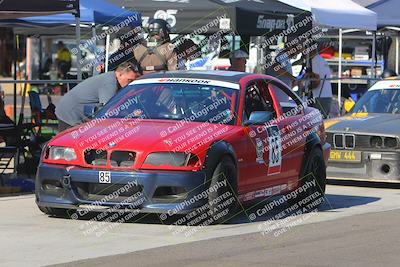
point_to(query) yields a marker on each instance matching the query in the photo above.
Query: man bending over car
(96, 90)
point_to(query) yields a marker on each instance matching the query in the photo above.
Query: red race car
(171, 143)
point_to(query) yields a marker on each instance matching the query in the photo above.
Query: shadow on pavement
(331, 203)
(390, 185)
(260, 210)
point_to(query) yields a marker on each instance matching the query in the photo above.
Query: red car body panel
(144, 138)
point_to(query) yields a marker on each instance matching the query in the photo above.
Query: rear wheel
(312, 181)
(222, 199)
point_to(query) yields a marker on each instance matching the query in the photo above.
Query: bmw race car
(170, 143)
(366, 142)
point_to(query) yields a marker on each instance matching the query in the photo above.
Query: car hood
(144, 135)
(374, 123)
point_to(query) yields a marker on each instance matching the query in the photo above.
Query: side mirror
(259, 117)
(90, 110)
(348, 105)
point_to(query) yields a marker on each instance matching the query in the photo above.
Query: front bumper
(372, 167)
(59, 186)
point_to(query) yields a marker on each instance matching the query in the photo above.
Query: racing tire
(223, 202)
(314, 169)
(55, 212)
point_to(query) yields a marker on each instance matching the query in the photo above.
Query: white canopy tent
(339, 14)
(388, 18)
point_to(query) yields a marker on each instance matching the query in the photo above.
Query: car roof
(219, 75)
(385, 84)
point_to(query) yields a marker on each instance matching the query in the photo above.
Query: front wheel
(222, 197)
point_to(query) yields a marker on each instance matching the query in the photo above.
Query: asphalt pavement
(359, 240)
(355, 226)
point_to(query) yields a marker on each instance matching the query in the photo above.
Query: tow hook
(66, 181)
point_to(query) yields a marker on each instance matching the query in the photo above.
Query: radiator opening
(96, 157)
(122, 159)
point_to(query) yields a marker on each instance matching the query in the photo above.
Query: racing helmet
(159, 30)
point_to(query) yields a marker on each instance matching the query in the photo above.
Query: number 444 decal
(275, 150)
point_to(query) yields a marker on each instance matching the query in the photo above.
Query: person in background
(321, 87)
(63, 60)
(123, 53)
(388, 73)
(158, 53)
(187, 51)
(238, 59)
(96, 90)
(125, 50)
(282, 70)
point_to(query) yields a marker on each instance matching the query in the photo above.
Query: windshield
(379, 101)
(190, 102)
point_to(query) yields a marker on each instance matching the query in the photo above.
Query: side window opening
(288, 101)
(257, 99)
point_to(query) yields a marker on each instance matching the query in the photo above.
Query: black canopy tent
(244, 17)
(12, 9)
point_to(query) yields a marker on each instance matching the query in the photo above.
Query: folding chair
(6, 155)
(38, 112)
(10, 135)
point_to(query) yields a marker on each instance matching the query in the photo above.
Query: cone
(9, 111)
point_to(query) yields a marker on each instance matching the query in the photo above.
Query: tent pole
(373, 55)
(40, 56)
(397, 53)
(94, 48)
(15, 78)
(29, 57)
(340, 67)
(260, 55)
(107, 53)
(78, 42)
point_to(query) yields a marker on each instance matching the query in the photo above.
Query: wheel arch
(215, 153)
(312, 141)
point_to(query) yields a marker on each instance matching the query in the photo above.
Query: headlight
(64, 153)
(376, 142)
(390, 142)
(175, 159)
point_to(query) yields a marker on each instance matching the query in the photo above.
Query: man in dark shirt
(95, 90)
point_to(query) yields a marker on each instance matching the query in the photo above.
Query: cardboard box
(356, 72)
(361, 53)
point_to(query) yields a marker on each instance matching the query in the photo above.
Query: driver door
(262, 161)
